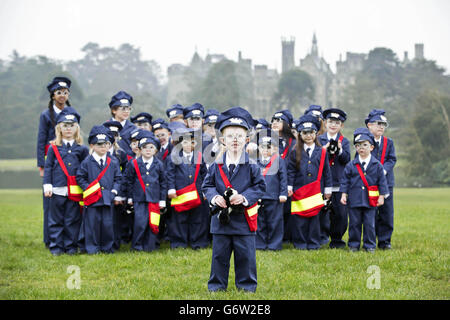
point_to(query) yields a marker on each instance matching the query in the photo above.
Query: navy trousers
(384, 221)
(46, 209)
(143, 238)
(98, 229)
(190, 228)
(244, 262)
(338, 221)
(361, 219)
(305, 232)
(270, 225)
(64, 223)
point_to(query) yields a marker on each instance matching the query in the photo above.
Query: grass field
(416, 268)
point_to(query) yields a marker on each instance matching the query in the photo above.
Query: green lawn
(416, 268)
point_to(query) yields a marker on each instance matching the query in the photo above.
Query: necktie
(231, 168)
(307, 151)
(363, 164)
(68, 145)
(101, 163)
(378, 144)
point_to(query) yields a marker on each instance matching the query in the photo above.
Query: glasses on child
(62, 93)
(126, 109)
(382, 124)
(276, 120)
(236, 136)
(363, 145)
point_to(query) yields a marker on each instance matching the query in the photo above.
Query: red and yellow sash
(251, 212)
(286, 150)
(153, 208)
(188, 197)
(93, 192)
(383, 153)
(372, 190)
(272, 159)
(75, 193)
(307, 200)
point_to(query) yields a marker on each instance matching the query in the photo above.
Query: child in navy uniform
(334, 224)
(99, 176)
(384, 151)
(270, 214)
(357, 182)
(63, 159)
(175, 113)
(59, 89)
(233, 229)
(308, 168)
(143, 120)
(190, 212)
(147, 189)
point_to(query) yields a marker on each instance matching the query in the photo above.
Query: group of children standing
(216, 177)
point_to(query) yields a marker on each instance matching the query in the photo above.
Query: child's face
(277, 124)
(234, 138)
(144, 126)
(363, 148)
(377, 128)
(333, 126)
(308, 136)
(122, 113)
(61, 96)
(148, 150)
(68, 130)
(267, 150)
(101, 148)
(178, 118)
(188, 145)
(209, 129)
(135, 146)
(162, 135)
(194, 122)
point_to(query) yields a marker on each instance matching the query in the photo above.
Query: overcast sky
(169, 31)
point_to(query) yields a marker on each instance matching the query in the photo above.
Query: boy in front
(237, 233)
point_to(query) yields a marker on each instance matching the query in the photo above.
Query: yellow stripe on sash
(252, 211)
(91, 190)
(76, 189)
(182, 198)
(154, 218)
(374, 193)
(307, 203)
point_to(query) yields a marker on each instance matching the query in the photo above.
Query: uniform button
(146, 184)
(190, 177)
(362, 188)
(147, 173)
(70, 151)
(69, 164)
(309, 174)
(332, 163)
(309, 161)
(103, 188)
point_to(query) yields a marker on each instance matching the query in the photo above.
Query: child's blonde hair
(58, 133)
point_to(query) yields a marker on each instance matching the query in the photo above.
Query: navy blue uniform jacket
(181, 175)
(340, 160)
(89, 171)
(352, 184)
(72, 158)
(246, 180)
(46, 133)
(276, 179)
(154, 180)
(389, 160)
(308, 171)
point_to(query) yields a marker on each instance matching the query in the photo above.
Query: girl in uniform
(309, 177)
(63, 159)
(59, 98)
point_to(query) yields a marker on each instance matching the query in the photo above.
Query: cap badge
(212, 118)
(124, 101)
(70, 117)
(62, 84)
(278, 115)
(316, 112)
(196, 112)
(383, 118)
(157, 125)
(307, 124)
(236, 121)
(334, 115)
(357, 137)
(172, 113)
(101, 137)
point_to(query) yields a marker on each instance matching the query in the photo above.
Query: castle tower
(314, 49)
(418, 47)
(287, 54)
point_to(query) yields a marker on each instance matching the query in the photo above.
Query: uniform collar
(56, 109)
(97, 157)
(68, 141)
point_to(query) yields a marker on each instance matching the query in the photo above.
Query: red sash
(251, 212)
(307, 200)
(331, 160)
(372, 190)
(286, 150)
(94, 191)
(188, 197)
(75, 193)
(129, 157)
(165, 153)
(153, 208)
(266, 169)
(383, 153)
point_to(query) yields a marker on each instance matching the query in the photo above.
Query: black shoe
(370, 250)
(353, 249)
(386, 247)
